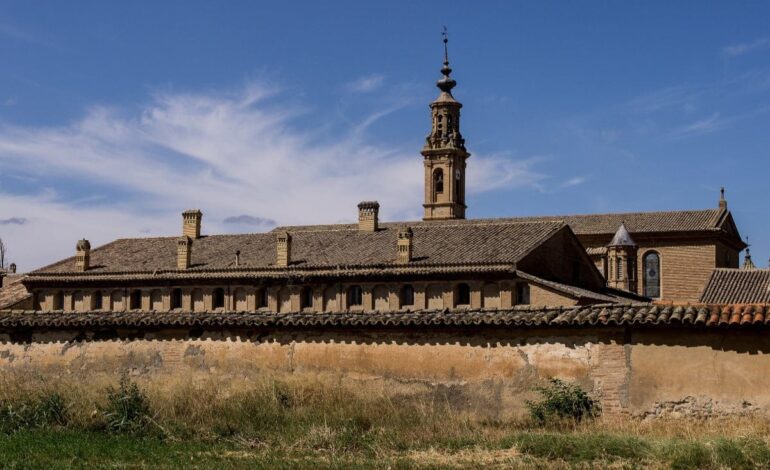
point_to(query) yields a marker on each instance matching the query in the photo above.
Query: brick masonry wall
(543, 297)
(685, 269)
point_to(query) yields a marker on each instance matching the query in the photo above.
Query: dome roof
(622, 237)
(83, 245)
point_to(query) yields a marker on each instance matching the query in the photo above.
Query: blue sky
(116, 116)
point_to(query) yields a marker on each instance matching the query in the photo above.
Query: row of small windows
(353, 295)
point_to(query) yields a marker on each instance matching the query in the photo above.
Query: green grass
(274, 424)
(82, 449)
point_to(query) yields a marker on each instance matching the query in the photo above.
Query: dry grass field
(284, 424)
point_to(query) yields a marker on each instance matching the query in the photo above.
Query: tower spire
(722, 200)
(446, 83)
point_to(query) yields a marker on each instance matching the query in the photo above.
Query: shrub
(127, 410)
(563, 401)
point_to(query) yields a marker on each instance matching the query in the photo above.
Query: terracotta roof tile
(583, 224)
(738, 286)
(13, 293)
(590, 316)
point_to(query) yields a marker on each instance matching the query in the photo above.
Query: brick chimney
(283, 254)
(404, 247)
(722, 200)
(368, 213)
(183, 252)
(191, 223)
(83, 255)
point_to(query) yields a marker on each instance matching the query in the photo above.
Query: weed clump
(127, 410)
(44, 411)
(561, 402)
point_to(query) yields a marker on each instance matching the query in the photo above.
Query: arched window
(197, 300)
(381, 298)
(176, 299)
(306, 298)
(355, 296)
(156, 300)
(97, 300)
(652, 275)
(58, 301)
(240, 300)
(490, 296)
(262, 298)
(331, 303)
(522, 293)
(219, 298)
(407, 296)
(438, 182)
(77, 301)
(284, 300)
(117, 302)
(135, 300)
(463, 294)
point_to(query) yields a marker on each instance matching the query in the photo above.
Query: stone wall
(486, 371)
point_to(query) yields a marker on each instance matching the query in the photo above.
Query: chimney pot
(183, 252)
(404, 246)
(368, 215)
(238, 258)
(191, 223)
(283, 245)
(83, 255)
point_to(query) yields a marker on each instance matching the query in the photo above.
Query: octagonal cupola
(621, 260)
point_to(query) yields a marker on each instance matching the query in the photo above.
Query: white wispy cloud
(366, 83)
(735, 50)
(653, 101)
(712, 123)
(20, 34)
(574, 181)
(229, 153)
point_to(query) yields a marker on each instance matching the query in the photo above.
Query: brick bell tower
(444, 153)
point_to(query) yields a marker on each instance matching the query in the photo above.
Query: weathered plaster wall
(486, 371)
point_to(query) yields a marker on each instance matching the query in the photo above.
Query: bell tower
(444, 153)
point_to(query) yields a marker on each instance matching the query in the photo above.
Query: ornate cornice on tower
(444, 152)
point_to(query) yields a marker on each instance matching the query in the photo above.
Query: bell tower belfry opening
(444, 153)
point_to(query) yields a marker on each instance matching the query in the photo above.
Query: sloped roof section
(738, 286)
(594, 224)
(13, 293)
(496, 242)
(579, 292)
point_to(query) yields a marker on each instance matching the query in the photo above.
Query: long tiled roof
(437, 244)
(738, 286)
(589, 224)
(13, 293)
(638, 315)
